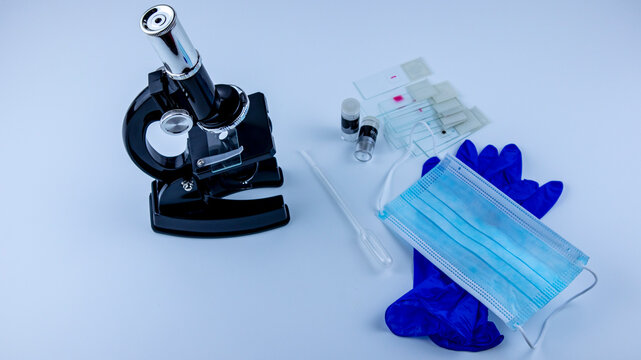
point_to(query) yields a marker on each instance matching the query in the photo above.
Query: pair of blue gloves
(438, 307)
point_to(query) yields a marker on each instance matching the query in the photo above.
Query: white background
(82, 276)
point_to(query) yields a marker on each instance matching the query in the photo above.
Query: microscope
(229, 148)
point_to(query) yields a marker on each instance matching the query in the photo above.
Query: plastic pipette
(365, 236)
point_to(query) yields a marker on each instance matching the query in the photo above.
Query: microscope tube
(367, 139)
(170, 41)
(350, 114)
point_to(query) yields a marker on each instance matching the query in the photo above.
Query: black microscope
(230, 147)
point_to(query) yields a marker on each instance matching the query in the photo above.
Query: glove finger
(507, 168)
(424, 310)
(429, 164)
(407, 317)
(543, 199)
(487, 156)
(521, 190)
(468, 155)
(485, 335)
(433, 307)
(514, 163)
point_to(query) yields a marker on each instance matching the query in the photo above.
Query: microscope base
(188, 213)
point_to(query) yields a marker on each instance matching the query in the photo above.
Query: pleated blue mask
(485, 242)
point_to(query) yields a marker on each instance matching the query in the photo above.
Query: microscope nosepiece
(170, 41)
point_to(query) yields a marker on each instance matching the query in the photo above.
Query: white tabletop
(82, 276)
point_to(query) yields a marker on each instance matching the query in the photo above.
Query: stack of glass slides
(402, 95)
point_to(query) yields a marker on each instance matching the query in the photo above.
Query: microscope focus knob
(176, 122)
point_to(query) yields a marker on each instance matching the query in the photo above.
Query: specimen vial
(367, 139)
(350, 114)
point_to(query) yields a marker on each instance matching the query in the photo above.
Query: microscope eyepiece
(158, 20)
(170, 41)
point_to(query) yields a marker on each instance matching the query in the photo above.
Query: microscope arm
(143, 111)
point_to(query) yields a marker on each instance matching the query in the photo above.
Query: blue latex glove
(437, 307)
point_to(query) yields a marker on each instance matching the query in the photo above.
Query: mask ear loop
(384, 194)
(531, 344)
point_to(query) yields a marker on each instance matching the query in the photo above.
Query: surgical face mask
(488, 244)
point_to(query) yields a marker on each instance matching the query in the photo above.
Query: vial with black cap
(350, 115)
(367, 139)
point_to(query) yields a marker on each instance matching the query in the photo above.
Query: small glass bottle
(350, 116)
(367, 139)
